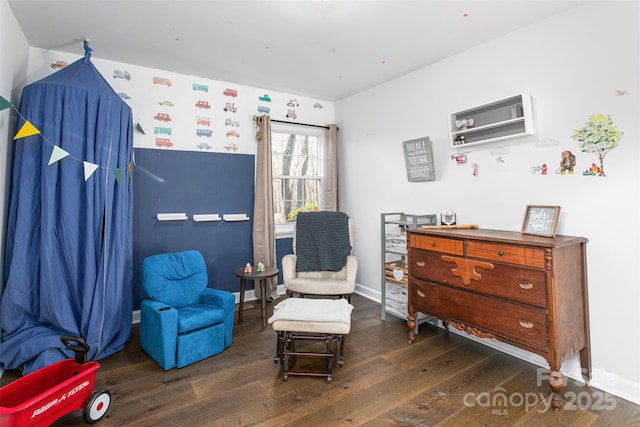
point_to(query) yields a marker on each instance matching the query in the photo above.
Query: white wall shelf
(206, 217)
(496, 121)
(177, 216)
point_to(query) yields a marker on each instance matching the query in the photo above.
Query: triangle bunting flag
(27, 129)
(139, 128)
(57, 154)
(117, 172)
(89, 169)
(4, 104)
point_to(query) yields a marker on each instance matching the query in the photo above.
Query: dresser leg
(585, 364)
(556, 382)
(411, 324)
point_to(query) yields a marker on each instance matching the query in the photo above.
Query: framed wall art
(541, 220)
(419, 160)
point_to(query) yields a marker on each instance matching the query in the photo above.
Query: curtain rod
(295, 123)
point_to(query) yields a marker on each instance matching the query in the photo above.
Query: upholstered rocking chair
(322, 263)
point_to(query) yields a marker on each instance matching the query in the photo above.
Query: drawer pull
(433, 244)
(420, 293)
(421, 263)
(500, 253)
(526, 324)
(526, 285)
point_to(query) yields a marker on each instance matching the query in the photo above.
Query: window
(297, 156)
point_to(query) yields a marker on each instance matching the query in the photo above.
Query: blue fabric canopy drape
(68, 259)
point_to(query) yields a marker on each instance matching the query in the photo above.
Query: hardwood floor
(441, 379)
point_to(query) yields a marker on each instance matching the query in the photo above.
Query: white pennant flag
(89, 169)
(57, 154)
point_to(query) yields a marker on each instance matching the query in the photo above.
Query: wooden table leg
(263, 301)
(241, 306)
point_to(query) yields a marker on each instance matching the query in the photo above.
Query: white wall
(572, 65)
(14, 52)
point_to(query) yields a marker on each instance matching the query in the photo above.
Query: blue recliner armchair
(182, 321)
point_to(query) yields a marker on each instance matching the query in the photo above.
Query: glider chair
(321, 263)
(182, 321)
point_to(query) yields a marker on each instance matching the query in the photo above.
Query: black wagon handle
(78, 345)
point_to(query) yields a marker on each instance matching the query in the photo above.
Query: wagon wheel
(96, 406)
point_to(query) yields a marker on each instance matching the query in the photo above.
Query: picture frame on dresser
(540, 220)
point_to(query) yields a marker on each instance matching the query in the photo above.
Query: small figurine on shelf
(247, 268)
(260, 267)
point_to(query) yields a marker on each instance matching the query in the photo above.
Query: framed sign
(541, 220)
(419, 160)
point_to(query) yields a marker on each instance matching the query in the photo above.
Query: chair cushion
(198, 316)
(327, 316)
(318, 286)
(176, 279)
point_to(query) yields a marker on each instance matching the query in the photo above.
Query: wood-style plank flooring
(442, 379)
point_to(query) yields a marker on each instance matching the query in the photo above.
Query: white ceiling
(324, 49)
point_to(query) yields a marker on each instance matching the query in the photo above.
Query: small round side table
(261, 277)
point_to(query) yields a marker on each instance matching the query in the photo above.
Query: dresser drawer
(524, 285)
(519, 323)
(438, 244)
(521, 255)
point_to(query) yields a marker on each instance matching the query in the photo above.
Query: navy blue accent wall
(194, 183)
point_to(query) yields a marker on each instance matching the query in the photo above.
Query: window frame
(286, 229)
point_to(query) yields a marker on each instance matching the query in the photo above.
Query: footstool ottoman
(311, 319)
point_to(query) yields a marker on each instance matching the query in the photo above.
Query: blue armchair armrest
(227, 301)
(159, 332)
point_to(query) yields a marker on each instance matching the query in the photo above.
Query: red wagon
(43, 396)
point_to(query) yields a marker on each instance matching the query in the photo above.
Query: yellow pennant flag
(89, 169)
(27, 129)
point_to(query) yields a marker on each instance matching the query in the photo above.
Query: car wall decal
(162, 117)
(164, 142)
(204, 121)
(204, 132)
(161, 81)
(58, 64)
(230, 92)
(162, 130)
(119, 74)
(202, 88)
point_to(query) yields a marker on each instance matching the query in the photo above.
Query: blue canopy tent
(68, 259)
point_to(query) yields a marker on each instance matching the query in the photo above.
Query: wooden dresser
(528, 291)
